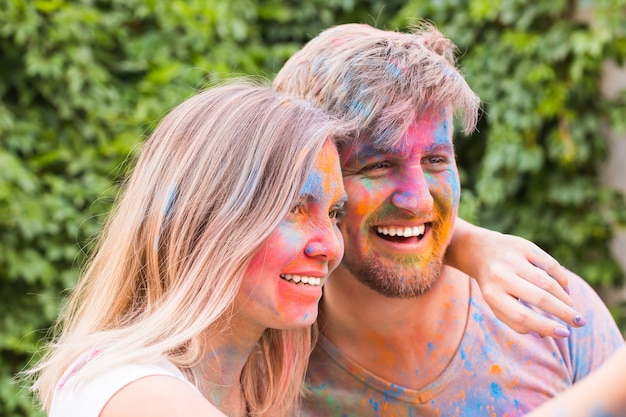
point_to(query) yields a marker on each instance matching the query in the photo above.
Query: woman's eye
(337, 213)
(297, 209)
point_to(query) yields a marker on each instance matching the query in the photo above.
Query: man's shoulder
(579, 288)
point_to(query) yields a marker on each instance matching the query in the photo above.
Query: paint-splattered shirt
(495, 372)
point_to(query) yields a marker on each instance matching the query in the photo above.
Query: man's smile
(402, 234)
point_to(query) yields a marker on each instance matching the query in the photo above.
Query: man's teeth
(401, 231)
(302, 279)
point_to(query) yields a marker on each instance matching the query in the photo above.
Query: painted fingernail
(567, 289)
(579, 320)
(561, 332)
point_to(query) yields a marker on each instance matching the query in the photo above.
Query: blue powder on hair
(171, 195)
(347, 83)
(317, 64)
(167, 210)
(392, 68)
(358, 107)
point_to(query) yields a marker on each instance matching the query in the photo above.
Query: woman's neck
(219, 372)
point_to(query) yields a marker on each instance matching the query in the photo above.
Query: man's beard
(403, 276)
(407, 280)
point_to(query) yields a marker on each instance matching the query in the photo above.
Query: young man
(403, 334)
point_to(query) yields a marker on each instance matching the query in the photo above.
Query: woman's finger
(524, 319)
(517, 294)
(541, 279)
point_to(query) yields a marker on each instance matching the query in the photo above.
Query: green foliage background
(83, 81)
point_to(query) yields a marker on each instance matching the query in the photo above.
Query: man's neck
(406, 341)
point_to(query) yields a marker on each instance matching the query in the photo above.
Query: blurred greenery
(83, 82)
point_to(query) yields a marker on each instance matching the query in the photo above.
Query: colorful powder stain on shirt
(495, 372)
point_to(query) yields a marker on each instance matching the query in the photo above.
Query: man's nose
(412, 193)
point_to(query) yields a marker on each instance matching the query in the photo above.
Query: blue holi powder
(393, 392)
(442, 133)
(347, 83)
(359, 107)
(468, 365)
(517, 404)
(447, 71)
(313, 185)
(291, 237)
(310, 249)
(171, 195)
(399, 390)
(167, 210)
(477, 317)
(374, 404)
(393, 70)
(496, 391)
(306, 316)
(317, 64)
(431, 348)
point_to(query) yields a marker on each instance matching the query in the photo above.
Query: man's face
(402, 204)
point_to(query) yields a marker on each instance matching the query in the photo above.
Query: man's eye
(437, 159)
(376, 166)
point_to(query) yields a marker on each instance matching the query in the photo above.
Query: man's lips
(400, 233)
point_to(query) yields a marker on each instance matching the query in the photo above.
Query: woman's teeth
(302, 279)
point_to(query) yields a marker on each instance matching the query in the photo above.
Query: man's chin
(400, 278)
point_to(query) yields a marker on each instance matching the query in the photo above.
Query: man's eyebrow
(398, 151)
(445, 147)
(369, 151)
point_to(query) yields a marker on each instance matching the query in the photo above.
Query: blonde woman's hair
(380, 80)
(215, 178)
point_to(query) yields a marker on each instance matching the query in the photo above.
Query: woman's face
(283, 283)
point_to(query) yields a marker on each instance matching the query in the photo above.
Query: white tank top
(88, 399)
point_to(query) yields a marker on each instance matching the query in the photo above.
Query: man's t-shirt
(495, 372)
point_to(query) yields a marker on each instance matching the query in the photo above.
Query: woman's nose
(328, 245)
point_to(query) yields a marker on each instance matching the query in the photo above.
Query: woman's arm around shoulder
(510, 269)
(601, 393)
(159, 396)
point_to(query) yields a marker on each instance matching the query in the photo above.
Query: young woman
(200, 297)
